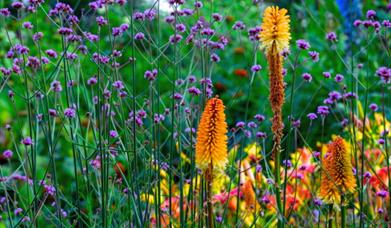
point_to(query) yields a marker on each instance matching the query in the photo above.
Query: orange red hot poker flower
(211, 147)
(337, 173)
(274, 37)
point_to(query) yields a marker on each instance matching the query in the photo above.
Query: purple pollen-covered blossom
(188, 130)
(96, 163)
(253, 33)
(194, 91)
(82, 49)
(176, 38)
(217, 17)
(285, 53)
(371, 14)
(186, 12)
(170, 19)
(384, 73)
(350, 95)
(101, 21)
(138, 16)
(178, 96)
(198, 4)
(214, 58)
(252, 124)
(373, 107)
(331, 36)
(52, 112)
(314, 56)
(70, 112)
(382, 193)
(260, 134)
(240, 124)
(287, 163)
(37, 36)
(326, 74)
(65, 31)
(318, 202)
(344, 122)
(339, 77)
(192, 79)
(139, 36)
(17, 5)
(27, 141)
(150, 75)
(7, 154)
(357, 23)
(367, 23)
(323, 110)
(335, 95)
(18, 211)
(207, 31)
(5, 12)
(124, 27)
(118, 85)
(116, 31)
(284, 71)
(179, 82)
(113, 134)
(296, 123)
(180, 28)
(178, 2)
(27, 25)
(307, 77)
(149, 14)
(91, 37)
(302, 44)
(56, 86)
(92, 81)
(158, 118)
(116, 53)
(50, 189)
(312, 116)
(33, 62)
(239, 25)
(256, 68)
(5, 71)
(259, 117)
(386, 24)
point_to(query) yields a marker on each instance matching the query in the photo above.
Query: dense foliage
(157, 113)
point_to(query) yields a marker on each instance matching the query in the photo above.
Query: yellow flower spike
(337, 172)
(275, 29)
(211, 147)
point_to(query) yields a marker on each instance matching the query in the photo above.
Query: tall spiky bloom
(211, 147)
(337, 172)
(274, 38)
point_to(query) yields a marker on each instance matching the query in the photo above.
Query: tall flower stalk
(211, 147)
(274, 37)
(338, 178)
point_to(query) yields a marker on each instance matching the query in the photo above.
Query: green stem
(343, 212)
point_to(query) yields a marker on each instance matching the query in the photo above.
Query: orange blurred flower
(241, 73)
(337, 173)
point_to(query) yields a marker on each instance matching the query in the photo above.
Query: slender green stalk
(343, 211)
